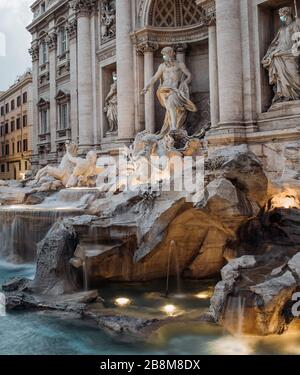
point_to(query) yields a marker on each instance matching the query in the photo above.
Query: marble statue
(65, 169)
(108, 20)
(281, 63)
(173, 92)
(111, 106)
(85, 171)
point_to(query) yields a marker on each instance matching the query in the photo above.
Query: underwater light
(169, 309)
(203, 295)
(122, 301)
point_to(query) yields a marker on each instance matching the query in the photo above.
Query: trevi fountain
(177, 245)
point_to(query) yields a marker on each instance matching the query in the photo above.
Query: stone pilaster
(124, 54)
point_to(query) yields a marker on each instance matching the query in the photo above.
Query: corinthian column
(229, 63)
(83, 9)
(125, 70)
(148, 50)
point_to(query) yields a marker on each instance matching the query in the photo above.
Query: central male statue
(173, 92)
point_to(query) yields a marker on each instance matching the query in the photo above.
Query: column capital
(84, 7)
(34, 52)
(72, 28)
(145, 47)
(51, 41)
(209, 7)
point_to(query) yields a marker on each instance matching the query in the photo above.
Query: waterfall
(234, 315)
(23, 226)
(173, 255)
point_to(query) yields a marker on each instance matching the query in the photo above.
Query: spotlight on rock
(122, 302)
(285, 201)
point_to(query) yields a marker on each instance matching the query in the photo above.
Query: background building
(78, 44)
(16, 129)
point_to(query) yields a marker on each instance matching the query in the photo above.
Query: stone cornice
(172, 36)
(46, 15)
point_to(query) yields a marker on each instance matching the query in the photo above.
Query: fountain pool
(52, 333)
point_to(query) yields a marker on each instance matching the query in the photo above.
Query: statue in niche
(173, 92)
(111, 106)
(65, 169)
(280, 61)
(108, 20)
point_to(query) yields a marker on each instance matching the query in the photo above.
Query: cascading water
(173, 255)
(234, 315)
(23, 226)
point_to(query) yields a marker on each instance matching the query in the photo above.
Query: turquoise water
(50, 333)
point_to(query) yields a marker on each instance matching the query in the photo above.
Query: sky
(15, 15)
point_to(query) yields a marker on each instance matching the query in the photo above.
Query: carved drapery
(108, 20)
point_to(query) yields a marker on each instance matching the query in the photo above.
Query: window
(7, 149)
(43, 7)
(43, 53)
(2, 111)
(18, 123)
(26, 165)
(2, 149)
(24, 97)
(6, 128)
(12, 105)
(25, 145)
(13, 147)
(44, 121)
(18, 101)
(6, 108)
(2, 168)
(63, 116)
(19, 146)
(2, 131)
(24, 121)
(12, 126)
(63, 41)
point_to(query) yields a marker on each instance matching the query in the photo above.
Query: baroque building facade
(16, 129)
(78, 47)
